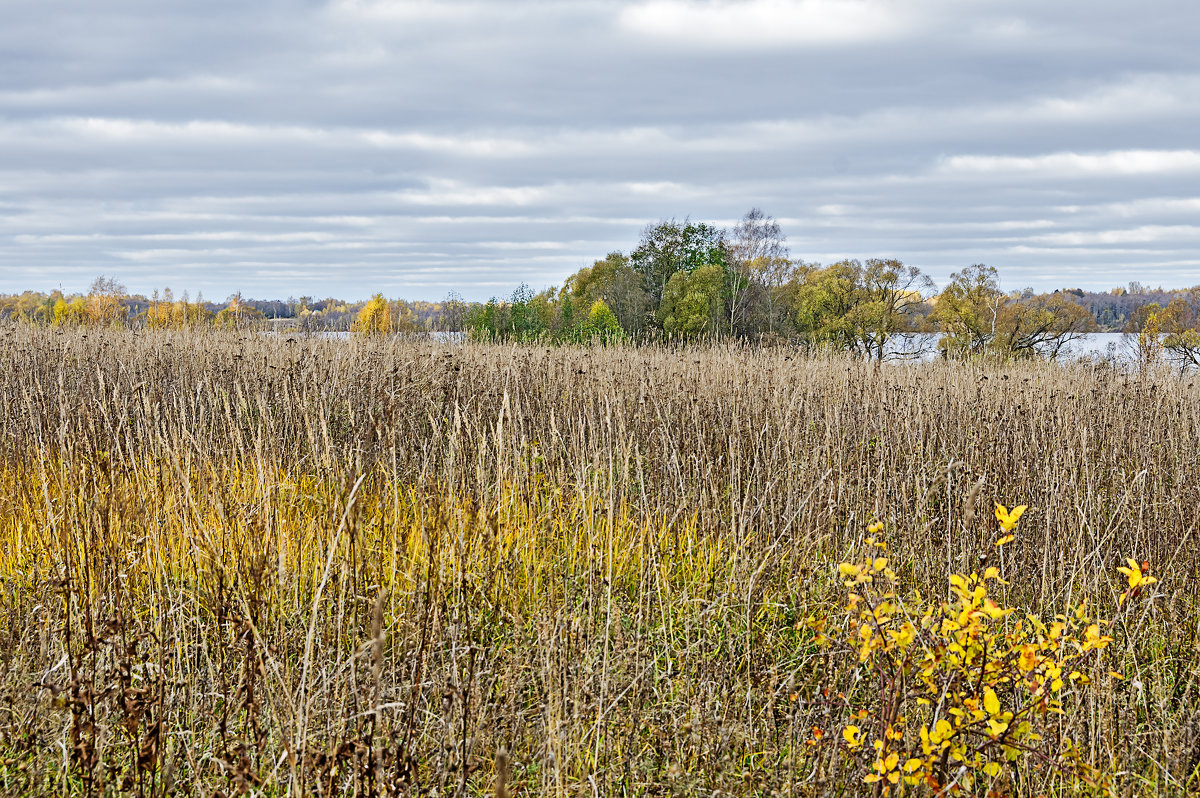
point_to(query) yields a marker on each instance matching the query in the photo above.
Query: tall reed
(252, 563)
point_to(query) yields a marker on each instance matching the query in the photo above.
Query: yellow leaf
(1005, 540)
(1094, 638)
(1008, 520)
(852, 736)
(1133, 574)
(993, 611)
(1081, 611)
(990, 702)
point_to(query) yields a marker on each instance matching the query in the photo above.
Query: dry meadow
(239, 564)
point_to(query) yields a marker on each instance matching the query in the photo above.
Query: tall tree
(859, 307)
(375, 317)
(1174, 329)
(105, 303)
(892, 298)
(758, 260)
(967, 309)
(1040, 325)
(670, 247)
(822, 299)
(976, 317)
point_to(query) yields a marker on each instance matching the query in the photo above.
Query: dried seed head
(972, 500)
(500, 789)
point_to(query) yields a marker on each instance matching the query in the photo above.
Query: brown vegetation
(239, 563)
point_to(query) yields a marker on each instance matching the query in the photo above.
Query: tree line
(688, 280)
(108, 303)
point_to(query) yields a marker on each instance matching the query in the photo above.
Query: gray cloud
(352, 146)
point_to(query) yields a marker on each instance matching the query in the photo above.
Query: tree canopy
(669, 247)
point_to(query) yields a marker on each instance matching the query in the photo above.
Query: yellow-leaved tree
(105, 302)
(375, 318)
(168, 313)
(69, 314)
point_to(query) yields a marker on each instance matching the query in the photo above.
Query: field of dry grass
(255, 565)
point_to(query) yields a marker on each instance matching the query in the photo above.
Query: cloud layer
(346, 147)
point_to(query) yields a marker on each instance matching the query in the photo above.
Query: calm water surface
(922, 346)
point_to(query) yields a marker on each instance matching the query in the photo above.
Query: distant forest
(686, 280)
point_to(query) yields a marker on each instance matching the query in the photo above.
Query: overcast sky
(341, 148)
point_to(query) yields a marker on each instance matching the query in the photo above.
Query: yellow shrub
(959, 689)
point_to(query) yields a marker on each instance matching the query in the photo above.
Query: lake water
(1110, 346)
(1114, 346)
